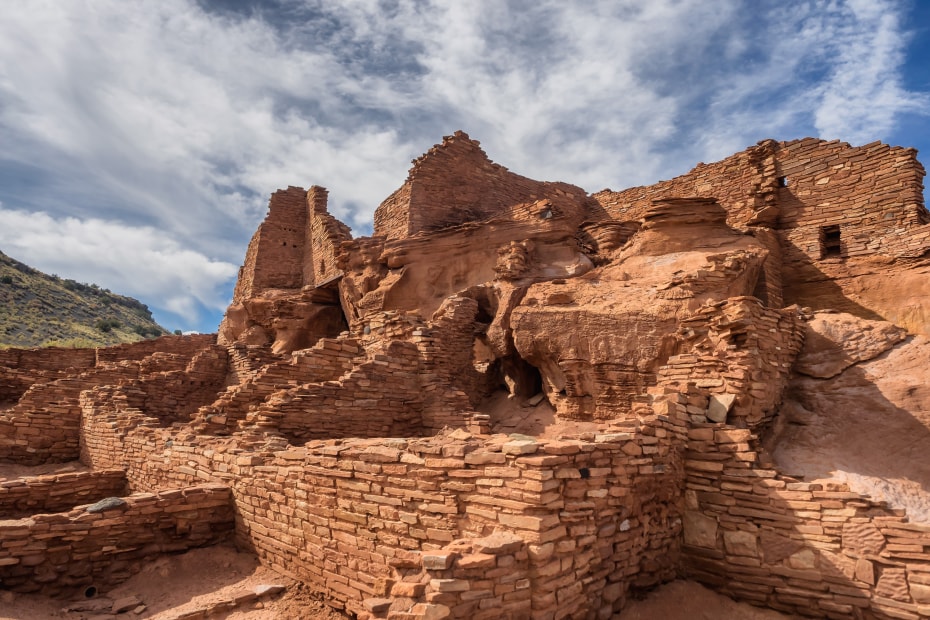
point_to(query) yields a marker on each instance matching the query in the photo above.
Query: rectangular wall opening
(830, 242)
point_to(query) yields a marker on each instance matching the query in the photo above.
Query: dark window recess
(782, 181)
(830, 242)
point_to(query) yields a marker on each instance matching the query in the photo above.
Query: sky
(140, 141)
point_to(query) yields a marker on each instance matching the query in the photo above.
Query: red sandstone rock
(340, 423)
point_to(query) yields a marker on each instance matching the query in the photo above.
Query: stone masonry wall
(741, 352)
(864, 190)
(378, 398)
(324, 237)
(50, 358)
(186, 346)
(744, 184)
(328, 360)
(454, 183)
(20, 368)
(812, 549)
(43, 425)
(176, 395)
(58, 492)
(58, 553)
(276, 247)
(597, 516)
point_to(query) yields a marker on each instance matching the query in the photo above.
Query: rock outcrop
(519, 400)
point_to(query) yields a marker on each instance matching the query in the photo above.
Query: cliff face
(516, 399)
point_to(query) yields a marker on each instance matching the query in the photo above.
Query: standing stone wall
(29, 495)
(744, 184)
(740, 352)
(873, 193)
(455, 183)
(357, 518)
(276, 247)
(324, 237)
(43, 425)
(326, 362)
(58, 554)
(812, 549)
(378, 398)
(186, 346)
(48, 359)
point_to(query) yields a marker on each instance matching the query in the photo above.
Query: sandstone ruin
(520, 400)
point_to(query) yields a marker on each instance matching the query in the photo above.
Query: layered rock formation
(517, 399)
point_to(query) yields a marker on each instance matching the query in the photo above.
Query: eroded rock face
(585, 390)
(834, 342)
(868, 425)
(600, 339)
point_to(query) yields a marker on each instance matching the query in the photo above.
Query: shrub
(106, 325)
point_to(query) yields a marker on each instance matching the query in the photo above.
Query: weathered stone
(741, 543)
(700, 530)
(719, 407)
(125, 603)
(110, 503)
(364, 400)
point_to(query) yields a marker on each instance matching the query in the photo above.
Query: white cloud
(162, 116)
(864, 93)
(138, 261)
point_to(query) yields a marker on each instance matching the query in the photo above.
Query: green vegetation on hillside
(39, 310)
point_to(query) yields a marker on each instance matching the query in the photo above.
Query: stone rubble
(338, 427)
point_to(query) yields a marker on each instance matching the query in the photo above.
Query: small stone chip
(125, 604)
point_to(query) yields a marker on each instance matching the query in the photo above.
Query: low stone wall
(187, 346)
(378, 398)
(328, 360)
(357, 519)
(48, 358)
(56, 554)
(42, 426)
(58, 492)
(811, 549)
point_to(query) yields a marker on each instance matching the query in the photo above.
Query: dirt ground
(172, 586)
(687, 600)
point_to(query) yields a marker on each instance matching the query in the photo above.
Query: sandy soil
(172, 585)
(686, 600)
(511, 415)
(10, 471)
(201, 578)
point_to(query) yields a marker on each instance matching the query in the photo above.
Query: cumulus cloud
(178, 118)
(138, 261)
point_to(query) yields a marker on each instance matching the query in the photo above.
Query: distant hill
(40, 310)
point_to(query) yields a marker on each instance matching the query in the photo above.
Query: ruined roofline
(770, 146)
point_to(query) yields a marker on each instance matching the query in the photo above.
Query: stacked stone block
(741, 353)
(29, 495)
(104, 544)
(457, 172)
(354, 517)
(328, 360)
(812, 549)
